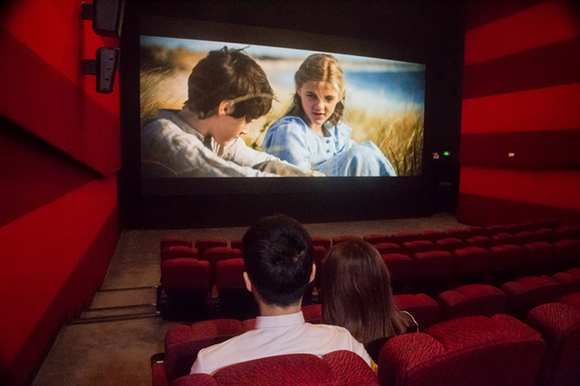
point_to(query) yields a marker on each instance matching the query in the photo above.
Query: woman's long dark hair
(358, 295)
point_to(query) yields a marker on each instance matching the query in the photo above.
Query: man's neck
(274, 310)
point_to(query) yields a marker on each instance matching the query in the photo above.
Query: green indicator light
(446, 153)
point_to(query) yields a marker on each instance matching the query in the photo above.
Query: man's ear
(248, 282)
(226, 107)
(313, 274)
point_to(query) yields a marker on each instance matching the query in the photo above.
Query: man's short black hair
(229, 74)
(277, 253)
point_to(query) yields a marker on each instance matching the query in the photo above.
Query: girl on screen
(357, 295)
(311, 135)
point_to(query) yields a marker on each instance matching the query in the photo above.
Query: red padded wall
(520, 119)
(58, 177)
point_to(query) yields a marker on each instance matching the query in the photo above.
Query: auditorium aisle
(112, 342)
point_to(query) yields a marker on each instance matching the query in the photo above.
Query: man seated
(226, 91)
(278, 262)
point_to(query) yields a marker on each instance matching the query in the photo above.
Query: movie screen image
(384, 100)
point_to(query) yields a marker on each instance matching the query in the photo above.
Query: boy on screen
(226, 91)
(278, 263)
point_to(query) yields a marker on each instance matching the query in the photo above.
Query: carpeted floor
(112, 342)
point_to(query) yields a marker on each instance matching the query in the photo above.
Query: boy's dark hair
(229, 74)
(277, 253)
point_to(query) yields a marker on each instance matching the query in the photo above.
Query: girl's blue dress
(333, 154)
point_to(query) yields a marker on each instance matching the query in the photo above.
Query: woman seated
(311, 134)
(357, 295)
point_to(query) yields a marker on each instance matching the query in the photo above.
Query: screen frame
(144, 201)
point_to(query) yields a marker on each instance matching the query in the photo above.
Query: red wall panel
(27, 163)
(552, 108)
(558, 188)
(41, 252)
(537, 26)
(39, 98)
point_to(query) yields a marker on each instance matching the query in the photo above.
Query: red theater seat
(234, 300)
(449, 244)
(531, 291)
(182, 343)
(416, 246)
(472, 299)
(546, 234)
(491, 230)
(176, 251)
(572, 299)
(434, 264)
(569, 251)
(341, 238)
(321, 241)
(377, 238)
(480, 241)
(213, 255)
(508, 258)
(175, 240)
(505, 238)
(387, 248)
(570, 279)
(209, 242)
(335, 368)
(319, 254)
(236, 243)
(543, 256)
(525, 237)
(475, 350)
(430, 235)
(403, 237)
(423, 307)
(559, 325)
(401, 267)
(472, 261)
(186, 283)
(568, 232)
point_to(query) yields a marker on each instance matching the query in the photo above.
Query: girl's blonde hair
(357, 293)
(324, 69)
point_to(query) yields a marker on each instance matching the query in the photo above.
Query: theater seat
(213, 255)
(572, 299)
(186, 284)
(480, 241)
(236, 243)
(204, 243)
(416, 246)
(472, 299)
(383, 248)
(528, 292)
(403, 237)
(234, 300)
(473, 261)
(377, 238)
(401, 267)
(449, 244)
(335, 368)
(543, 257)
(475, 350)
(559, 325)
(183, 342)
(569, 252)
(321, 241)
(176, 251)
(508, 260)
(341, 238)
(424, 308)
(570, 279)
(169, 241)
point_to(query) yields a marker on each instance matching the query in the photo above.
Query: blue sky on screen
(372, 83)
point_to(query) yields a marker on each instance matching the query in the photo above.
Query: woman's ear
(226, 107)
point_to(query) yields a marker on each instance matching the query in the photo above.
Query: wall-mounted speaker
(104, 67)
(107, 16)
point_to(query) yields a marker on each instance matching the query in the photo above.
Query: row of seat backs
(183, 342)
(474, 350)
